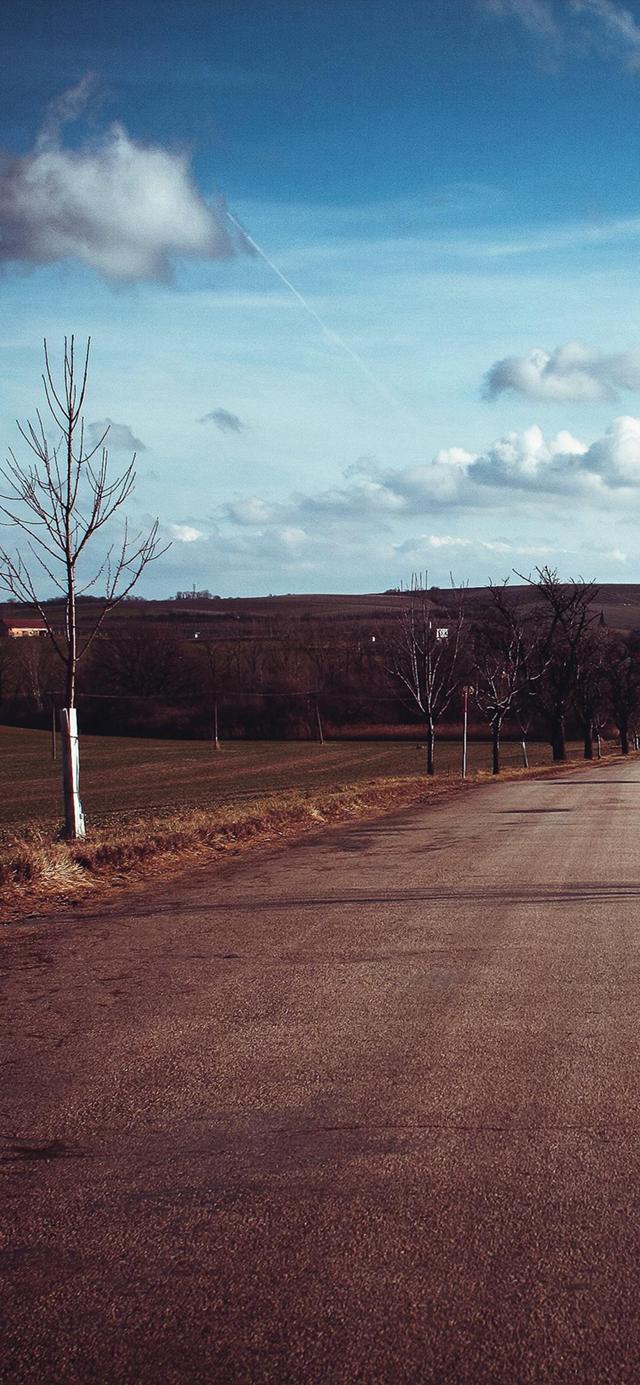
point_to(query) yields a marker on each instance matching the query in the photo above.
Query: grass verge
(38, 873)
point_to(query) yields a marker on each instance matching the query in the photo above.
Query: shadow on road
(565, 894)
(577, 783)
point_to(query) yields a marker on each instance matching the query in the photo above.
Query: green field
(127, 776)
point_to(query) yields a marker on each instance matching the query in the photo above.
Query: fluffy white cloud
(572, 372)
(126, 209)
(435, 542)
(291, 537)
(185, 533)
(616, 456)
(367, 496)
(527, 461)
(454, 456)
(119, 436)
(252, 511)
(419, 548)
(386, 492)
(457, 479)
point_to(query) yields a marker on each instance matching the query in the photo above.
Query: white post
(464, 733)
(73, 814)
(216, 738)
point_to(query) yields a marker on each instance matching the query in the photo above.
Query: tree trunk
(624, 738)
(558, 747)
(588, 741)
(74, 828)
(72, 633)
(495, 749)
(525, 757)
(431, 736)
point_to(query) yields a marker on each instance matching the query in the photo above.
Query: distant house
(442, 632)
(17, 627)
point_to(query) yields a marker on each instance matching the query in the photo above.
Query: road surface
(362, 1110)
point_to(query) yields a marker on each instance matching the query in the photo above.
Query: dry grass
(37, 872)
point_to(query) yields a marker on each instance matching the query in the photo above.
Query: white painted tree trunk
(73, 814)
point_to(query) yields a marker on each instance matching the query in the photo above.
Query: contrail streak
(333, 337)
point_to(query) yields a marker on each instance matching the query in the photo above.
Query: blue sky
(453, 190)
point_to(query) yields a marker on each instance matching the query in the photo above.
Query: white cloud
(126, 209)
(291, 537)
(454, 456)
(119, 436)
(437, 541)
(185, 533)
(418, 548)
(252, 511)
(528, 461)
(386, 492)
(616, 456)
(376, 499)
(571, 372)
(366, 496)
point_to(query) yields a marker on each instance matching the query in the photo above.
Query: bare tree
(508, 667)
(426, 658)
(622, 675)
(60, 499)
(590, 692)
(565, 616)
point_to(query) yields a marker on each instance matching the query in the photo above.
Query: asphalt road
(365, 1109)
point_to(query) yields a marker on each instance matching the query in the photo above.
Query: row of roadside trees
(546, 661)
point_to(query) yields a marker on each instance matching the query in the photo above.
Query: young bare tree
(426, 657)
(59, 499)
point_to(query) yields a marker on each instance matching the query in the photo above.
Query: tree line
(546, 667)
(550, 664)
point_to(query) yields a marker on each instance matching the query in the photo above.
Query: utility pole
(319, 723)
